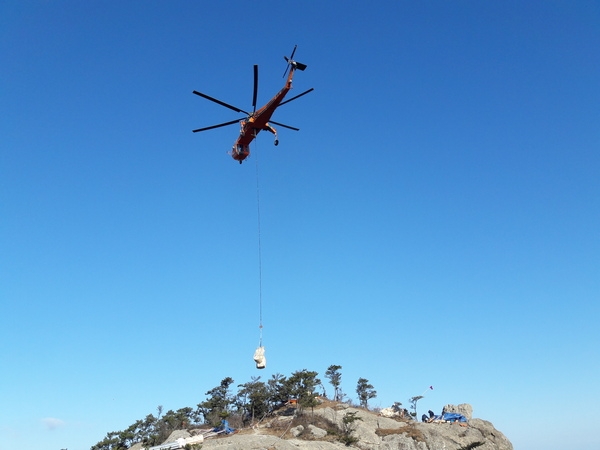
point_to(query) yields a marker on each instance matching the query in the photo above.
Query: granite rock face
(372, 432)
(479, 434)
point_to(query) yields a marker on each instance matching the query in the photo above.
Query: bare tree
(413, 405)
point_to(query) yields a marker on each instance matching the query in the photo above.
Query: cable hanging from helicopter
(259, 353)
(255, 122)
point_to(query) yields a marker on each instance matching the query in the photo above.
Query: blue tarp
(224, 426)
(453, 417)
(447, 417)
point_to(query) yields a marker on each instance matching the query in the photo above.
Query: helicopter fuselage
(258, 121)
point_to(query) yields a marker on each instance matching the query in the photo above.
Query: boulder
(317, 432)
(176, 435)
(464, 408)
(422, 436)
(392, 412)
(297, 431)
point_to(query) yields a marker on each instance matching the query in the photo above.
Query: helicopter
(258, 120)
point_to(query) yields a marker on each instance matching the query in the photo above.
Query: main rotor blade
(216, 126)
(226, 105)
(255, 87)
(284, 126)
(297, 96)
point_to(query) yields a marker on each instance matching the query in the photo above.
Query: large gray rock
(297, 431)
(176, 435)
(317, 432)
(464, 408)
(365, 429)
(450, 436)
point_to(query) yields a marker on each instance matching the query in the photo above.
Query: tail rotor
(290, 62)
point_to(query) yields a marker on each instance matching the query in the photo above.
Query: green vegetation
(301, 386)
(150, 430)
(334, 376)
(219, 405)
(348, 427)
(472, 445)
(253, 400)
(192, 447)
(365, 392)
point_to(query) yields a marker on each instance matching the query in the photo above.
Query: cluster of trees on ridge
(253, 401)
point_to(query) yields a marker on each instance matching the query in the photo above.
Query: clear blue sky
(436, 221)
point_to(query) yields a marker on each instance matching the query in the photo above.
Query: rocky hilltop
(324, 428)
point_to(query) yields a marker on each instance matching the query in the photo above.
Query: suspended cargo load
(259, 358)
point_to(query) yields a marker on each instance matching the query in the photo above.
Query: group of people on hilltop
(444, 417)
